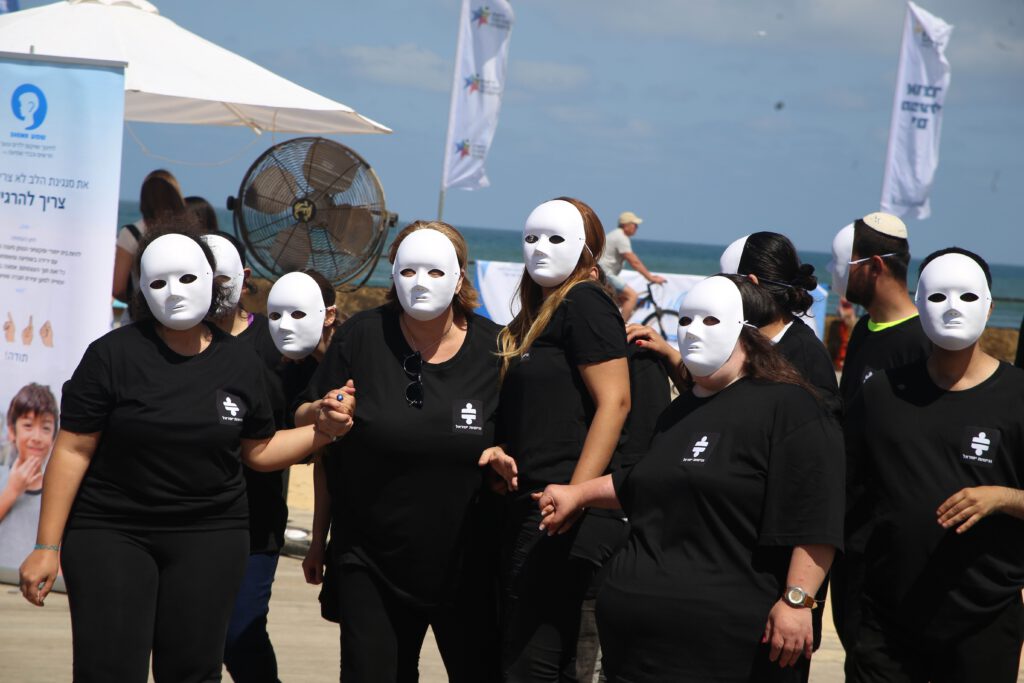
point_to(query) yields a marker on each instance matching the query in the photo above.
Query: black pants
(543, 587)
(169, 593)
(381, 635)
(248, 653)
(887, 653)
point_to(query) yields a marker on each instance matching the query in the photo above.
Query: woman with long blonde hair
(563, 401)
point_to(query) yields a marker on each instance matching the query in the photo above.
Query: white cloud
(406, 65)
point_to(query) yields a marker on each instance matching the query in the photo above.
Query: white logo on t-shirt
(230, 406)
(466, 414)
(980, 443)
(700, 446)
(469, 413)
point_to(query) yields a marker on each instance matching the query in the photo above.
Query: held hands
(336, 413)
(38, 572)
(503, 464)
(559, 508)
(969, 506)
(789, 634)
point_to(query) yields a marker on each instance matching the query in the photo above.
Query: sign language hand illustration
(9, 329)
(27, 333)
(46, 335)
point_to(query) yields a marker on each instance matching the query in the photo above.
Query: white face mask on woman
(229, 270)
(710, 321)
(553, 240)
(176, 281)
(296, 310)
(842, 254)
(954, 301)
(426, 274)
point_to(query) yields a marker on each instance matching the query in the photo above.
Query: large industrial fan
(312, 203)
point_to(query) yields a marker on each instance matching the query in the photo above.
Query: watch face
(795, 596)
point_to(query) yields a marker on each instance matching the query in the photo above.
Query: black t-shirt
(267, 491)
(868, 352)
(1019, 361)
(650, 394)
(732, 482)
(404, 480)
(915, 445)
(801, 347)
(546, 409)
(169, 457)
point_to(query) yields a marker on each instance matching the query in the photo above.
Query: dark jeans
(543, 587)
(381, 635)
(890, 653)
(136, 592)
(248, 653)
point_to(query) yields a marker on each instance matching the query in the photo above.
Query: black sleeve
(822, 375)
(620, 482)
(1020, 347)
(804, 501)
(88, 397)
(334, 370)
(594, 331)
(258, 423)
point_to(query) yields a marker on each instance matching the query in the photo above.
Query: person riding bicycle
(617, 248)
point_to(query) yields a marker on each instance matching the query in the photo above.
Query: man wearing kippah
(888, 336)
(618, 248)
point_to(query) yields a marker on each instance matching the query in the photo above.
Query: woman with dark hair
(144, 496)
(160, 198)
(204, 213)
(735, 512)
(564, 399)
(403, 494)
(770, 260)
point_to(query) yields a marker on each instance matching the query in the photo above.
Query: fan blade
(292, 248)
(350, 228)
(272, 191)
(329, 172)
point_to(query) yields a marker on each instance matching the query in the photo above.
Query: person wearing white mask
(144, 494)
(735, 512)
(939, 446)
(564, 400)
(869, 265)
(404, 493)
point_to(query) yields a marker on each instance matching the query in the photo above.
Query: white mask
(176, 281)
(729, 262)
(426, 274)
(296, 310)
(229, 265)
(553, 240)
(704, 344)
(842, 254)
(954, 301)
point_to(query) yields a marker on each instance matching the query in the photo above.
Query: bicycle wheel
(666, 324)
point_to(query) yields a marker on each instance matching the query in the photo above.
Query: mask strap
(746, 324)
(771, 282)
(587, 247)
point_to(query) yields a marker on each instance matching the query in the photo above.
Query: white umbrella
(173, 75)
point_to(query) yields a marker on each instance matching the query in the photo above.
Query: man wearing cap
(872, 269)
(617, 248)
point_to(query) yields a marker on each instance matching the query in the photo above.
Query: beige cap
(629, 217)
(887, 224)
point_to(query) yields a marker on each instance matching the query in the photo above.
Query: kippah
(885, 223)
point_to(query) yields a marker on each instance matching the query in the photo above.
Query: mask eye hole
(157, 284)
(531, 239)
(298, 315)
(436, 272)
(222, 279)
(276, 315)
(556, 239)
(968, 297)
(407, 272)
(684, 321)
(710, 320)
(936, 298)
(187, 279)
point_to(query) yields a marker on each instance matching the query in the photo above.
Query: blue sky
(663, 107)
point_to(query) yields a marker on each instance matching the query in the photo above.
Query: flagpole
(440, 204)
(446, 157)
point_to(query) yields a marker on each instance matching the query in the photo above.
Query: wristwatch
(795, 596)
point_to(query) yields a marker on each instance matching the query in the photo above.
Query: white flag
(480, 67)
(921, 88)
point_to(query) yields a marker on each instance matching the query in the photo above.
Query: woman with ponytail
(563, 401)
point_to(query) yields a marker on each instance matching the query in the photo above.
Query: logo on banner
(28, 103)
(926, 40)
(483, 86)
(979, 445)
(485, 16)
(230, 408)
(699, 448)
(465, 148)
(468, 417)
